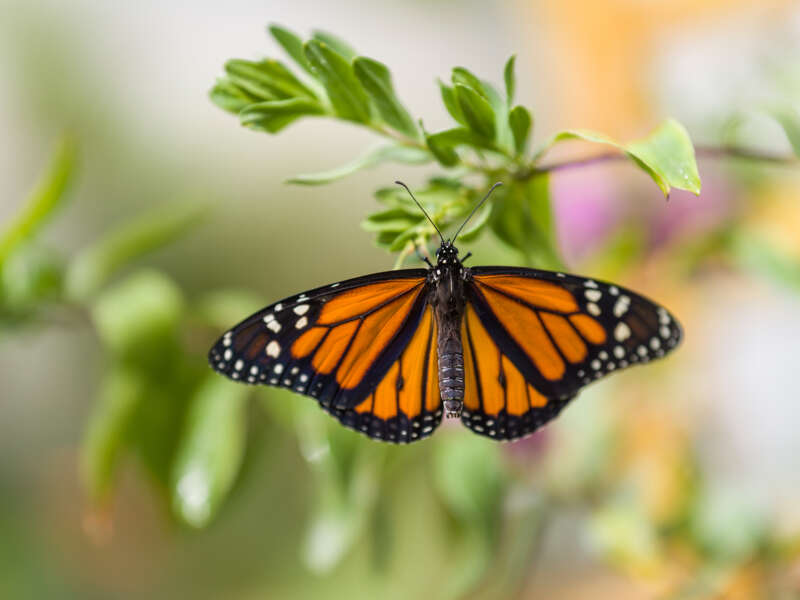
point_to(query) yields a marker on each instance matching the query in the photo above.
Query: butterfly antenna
(474, 210)
(422, 209)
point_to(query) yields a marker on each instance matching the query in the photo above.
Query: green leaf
(462, 76)
(377, 81)
(270, 75)
(459, 136)
(96, 263)
(451, 103)
(788, 117)
(210, 450)
(105, 435)
(337, 43)
(378, 155)
(31, 275)
(441, 147)
(46, 197)
(501, 133)
(220, 308)
(667, 154)
(472, 481)
(157, 420)
(274, 115)
(510, 79)
(252, 87)
(522, 218)
(443, 144)
(394, 219)
(292, 44)
(346, 473)
(519, 120)
(138, 318)
(477, 111)
(348, 98)
(471, 478)
(476, 224)
(230, 97)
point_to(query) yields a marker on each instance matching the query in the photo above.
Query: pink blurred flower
(690, 215)
(585, 207)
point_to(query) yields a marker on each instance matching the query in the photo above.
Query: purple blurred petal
(687, 214)
(586, 209)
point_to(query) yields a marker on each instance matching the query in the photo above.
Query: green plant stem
(715, 152)
(397, 136)
(412, 143)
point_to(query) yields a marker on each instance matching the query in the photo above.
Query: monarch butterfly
(503, 348)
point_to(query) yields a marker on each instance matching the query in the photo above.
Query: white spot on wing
(274, 326)
(593, 295)
(621, 306)
(593, 309)
(622, 332)
(273, 349)
(301, 322)
(301, 309)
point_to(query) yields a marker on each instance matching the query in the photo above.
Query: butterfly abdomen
(451, 363)
(451, 378)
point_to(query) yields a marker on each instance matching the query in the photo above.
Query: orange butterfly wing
(405, 406)
(533, 338)
(346, 345)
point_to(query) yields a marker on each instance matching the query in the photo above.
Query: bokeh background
(680, 480)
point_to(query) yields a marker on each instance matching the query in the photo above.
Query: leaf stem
(715, 152)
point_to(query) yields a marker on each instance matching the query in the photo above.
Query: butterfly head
(447, 254)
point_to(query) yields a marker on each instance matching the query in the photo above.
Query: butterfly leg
(466, 256)
(421, 256)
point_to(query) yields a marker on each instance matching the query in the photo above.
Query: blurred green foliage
(157, 400)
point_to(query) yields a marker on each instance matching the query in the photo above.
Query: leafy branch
(490, 138)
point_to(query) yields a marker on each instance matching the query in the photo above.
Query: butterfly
(502, 348)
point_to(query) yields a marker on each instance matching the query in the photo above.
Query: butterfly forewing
(533, 338)
(335, 343)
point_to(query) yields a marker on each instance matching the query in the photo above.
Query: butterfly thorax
(447, 296)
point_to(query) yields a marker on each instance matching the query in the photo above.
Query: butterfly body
(447, 296)
(503, 348)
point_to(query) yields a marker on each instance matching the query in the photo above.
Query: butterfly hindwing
(405, 406)
(499, 401)
(537, 337)
(335, 343)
